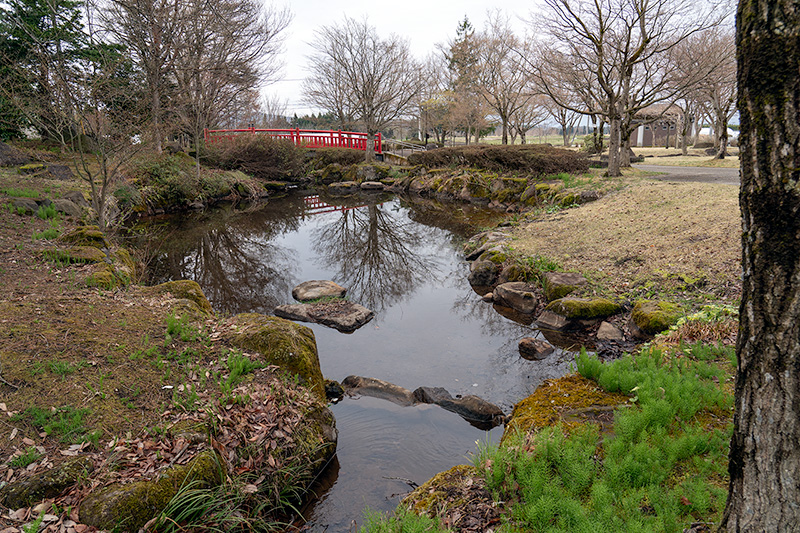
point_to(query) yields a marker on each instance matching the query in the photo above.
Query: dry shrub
(261, 156)
(341, 156)
(536, 159)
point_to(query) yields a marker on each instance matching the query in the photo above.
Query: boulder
(128, 507)
(184, 289)
(483, 273)
(12, 157)
(76, 254)
(316, 290)
(534, 349)
(338, 314)
(473, 409)
(333, 390)
(67, 207)
(32, 168)
(377, 388)
(290, 346)
(609, 332)
(481, 242)
(49, 484)
(550, 320)
(579, 312)
(76, 197)
(86, 236)
(343, 187)
(559, 284)
(59, 172)
(26, 205)
(653, 317)
(516, 295)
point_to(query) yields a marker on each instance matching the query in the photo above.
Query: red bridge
(308, 138)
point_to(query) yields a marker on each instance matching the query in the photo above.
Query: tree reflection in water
(379, 254)
(232, 256)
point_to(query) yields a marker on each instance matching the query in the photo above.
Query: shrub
(536, 159)
(341, 156)
(261, 156)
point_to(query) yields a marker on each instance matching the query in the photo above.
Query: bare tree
(527, 116)
(624, 45)
(503, 82)
(719, 87)
(764, 462)
(357, 74)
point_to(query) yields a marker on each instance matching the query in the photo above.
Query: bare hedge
(536, 159)
(260, 156)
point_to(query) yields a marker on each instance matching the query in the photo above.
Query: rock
(31, 168)
(338, 314)
(197, 205)
(343, 187)
(283, 343)
(608, 332)
(488, 297)
(67, 207)
(184, 289)
(28, 205)
(559, 284)
(49, 484)
(128, 507)
(76, 254)
(550, 320)
(86, 236)
(76, 197)
(473, 409)
(483, 273)
(372, 186)
(59, 172)
(581, 312)
(512, 272)
(653, 317)
(534, 349)
(481, 242)
(377, 388)
(12, 157)
(333, 390)
(516, 295)
(317, 289)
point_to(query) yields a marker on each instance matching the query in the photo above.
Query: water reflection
(379, 255)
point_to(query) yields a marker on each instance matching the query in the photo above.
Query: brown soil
(653, 239)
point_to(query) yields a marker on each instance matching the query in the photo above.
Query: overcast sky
(422, 22)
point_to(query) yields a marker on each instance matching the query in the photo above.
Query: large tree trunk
(614, 148)
(764, 467)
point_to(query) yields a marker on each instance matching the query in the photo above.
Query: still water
(401, 259)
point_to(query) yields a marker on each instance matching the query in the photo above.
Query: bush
(342, 156)
(536, 159)
(261, 156)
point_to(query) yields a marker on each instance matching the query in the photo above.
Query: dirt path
(727, 176)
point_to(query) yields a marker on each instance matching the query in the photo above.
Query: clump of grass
(28, 457)
(50, 233)
(403, 522)
(64, 368)
(46, 212)
(65, 422)
(20, 193)
(180, 328)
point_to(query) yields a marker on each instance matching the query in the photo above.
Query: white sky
(422, 23)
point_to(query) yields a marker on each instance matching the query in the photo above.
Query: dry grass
(695, 158)
(651, 238)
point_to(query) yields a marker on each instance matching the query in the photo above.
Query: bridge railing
(309, 138)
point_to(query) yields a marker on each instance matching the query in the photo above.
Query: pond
(402, 259)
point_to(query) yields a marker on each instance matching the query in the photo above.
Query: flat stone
(372, 186)
(551, 320)
(30, 206)
(341, 315)
(534, 349)
(473, 409)
(317, 289)
(559, 284)
(343, 187)
(516, 295)
(377, 388)
(608, 332)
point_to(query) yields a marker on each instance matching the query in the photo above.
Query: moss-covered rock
(497, 255)
(184, 289)
(555, 400)
(432, 497)
(49, 484)
(128, 265)
(283, 343)
(559, 284)
(653, 317)
(583, 308)
(32, 168)
(105, 278)
(86, 236)
(75, 254)
(128, 507)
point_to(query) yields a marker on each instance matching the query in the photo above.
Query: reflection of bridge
(309, 138)
(314, 206)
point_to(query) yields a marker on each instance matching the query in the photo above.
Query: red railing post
(380, 143)
(205, 135)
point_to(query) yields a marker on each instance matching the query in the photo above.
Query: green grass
(400, 523)
(66, 422)
(20, 193)
(46, 212)
(180, 328)
(64, 368)
(30, 456)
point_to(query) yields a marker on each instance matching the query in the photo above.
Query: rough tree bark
(764, 491)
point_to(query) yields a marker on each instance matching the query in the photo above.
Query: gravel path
(729, 176)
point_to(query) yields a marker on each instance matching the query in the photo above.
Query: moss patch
(584, 308)
(654, 317)
(283, 343)
(555, 400)
(86, 236)
(184, 289)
